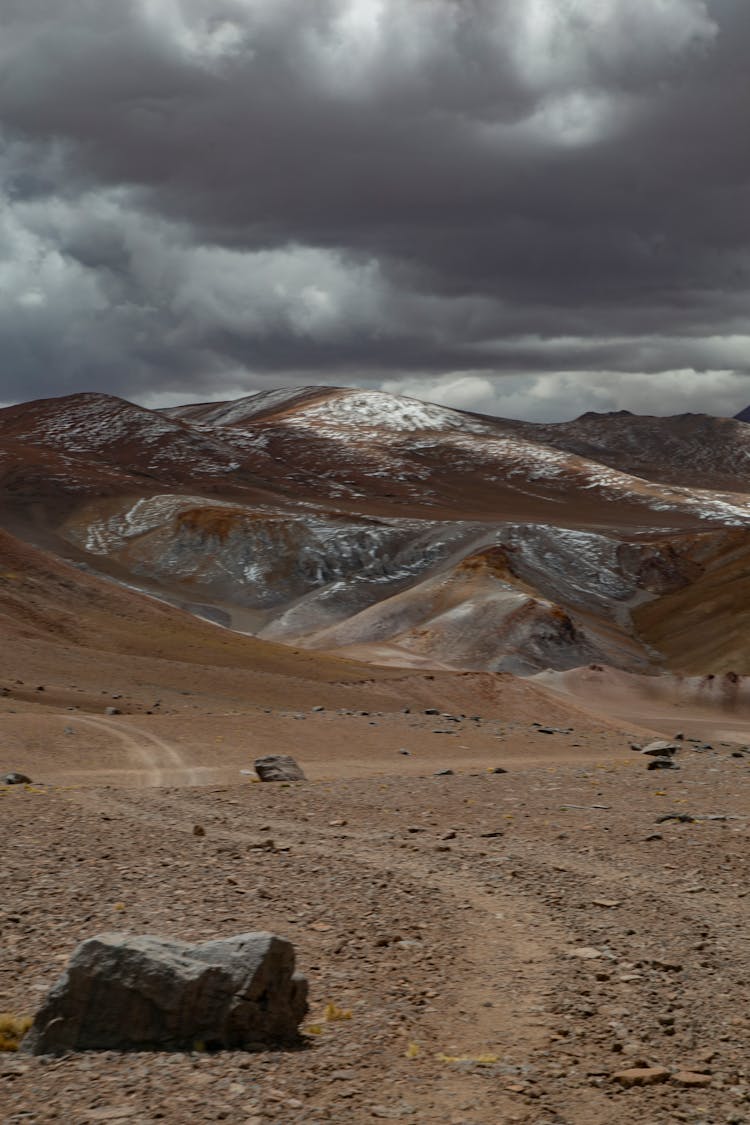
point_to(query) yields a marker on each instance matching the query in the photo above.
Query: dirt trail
(502, 937)
(155, 761)
(502, 943)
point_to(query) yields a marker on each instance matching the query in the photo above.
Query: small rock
(660, 749)
(681, 818)
(317, 708)
(666, 965)
(641, 1076)
(443, 773)
(662, 764)
(690, 1078)
(278, 767)
(498, 769)
(199, 830)
(109, 1113)
(15, 778)
(405, 753)
(112, 711)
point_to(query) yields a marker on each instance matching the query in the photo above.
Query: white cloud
(580, 43)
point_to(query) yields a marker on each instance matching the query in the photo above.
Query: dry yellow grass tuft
(12, 1030)
(333, 1013)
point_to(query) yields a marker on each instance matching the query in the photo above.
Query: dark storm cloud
(459, 199)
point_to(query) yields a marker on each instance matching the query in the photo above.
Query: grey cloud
(204, 194)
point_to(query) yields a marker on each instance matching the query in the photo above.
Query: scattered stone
(278, 767)
(199, 830)
(443, 773)
(112, 711)
(660, 749)
(122, 992)
(690, 1078)
(641, 1076)
(405, 753)
(110, 1113)
(432, 711)
(662, 764)
(318, 708)
(586, 953)
(682, 818)
(15, 778)
(498, 769)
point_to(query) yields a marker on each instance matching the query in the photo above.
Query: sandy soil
(529, 933)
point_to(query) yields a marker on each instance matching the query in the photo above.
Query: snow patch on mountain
(376, 410)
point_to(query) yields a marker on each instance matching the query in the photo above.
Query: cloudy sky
(527, 207)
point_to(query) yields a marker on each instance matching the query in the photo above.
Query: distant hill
(743, 416)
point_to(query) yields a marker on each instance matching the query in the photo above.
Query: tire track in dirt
(508, 947)
(158, 761)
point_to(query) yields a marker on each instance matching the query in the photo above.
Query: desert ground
(501, 945)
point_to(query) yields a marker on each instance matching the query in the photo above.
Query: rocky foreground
(561, 943)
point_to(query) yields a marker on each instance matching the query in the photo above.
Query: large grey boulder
(123, 992)
(278, 767)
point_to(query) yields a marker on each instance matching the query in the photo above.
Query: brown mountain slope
(686, 449)
(705, 626)
(70, 639)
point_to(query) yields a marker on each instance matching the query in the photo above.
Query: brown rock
(641, 1076)
(690, 1078)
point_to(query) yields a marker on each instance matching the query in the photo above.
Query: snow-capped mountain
(390, 528)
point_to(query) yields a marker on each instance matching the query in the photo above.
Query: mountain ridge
(342, 519)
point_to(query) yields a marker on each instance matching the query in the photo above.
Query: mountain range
(394, 531)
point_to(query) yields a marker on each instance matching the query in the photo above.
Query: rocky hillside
(402, 532)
